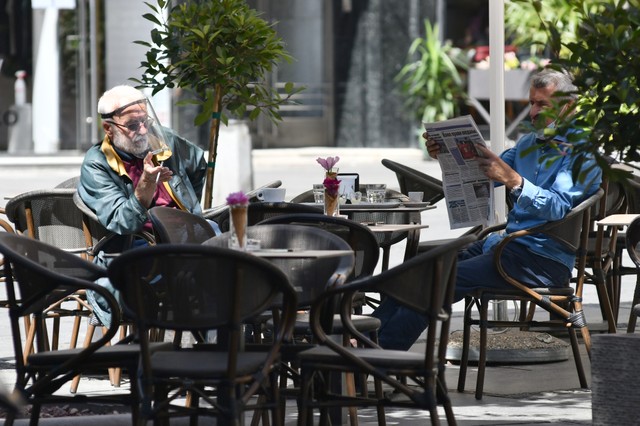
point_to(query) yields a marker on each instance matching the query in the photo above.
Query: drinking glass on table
(356, 197)
(318, 193)
(376, 193)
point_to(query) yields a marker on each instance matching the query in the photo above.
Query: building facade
(347, 53)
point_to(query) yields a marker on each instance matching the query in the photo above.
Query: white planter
(234, 170)
(516, 84)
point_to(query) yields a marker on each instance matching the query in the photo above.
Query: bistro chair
(99, 241)
(310, 276)
(41, 275)
(632, 198)
(50, 216)
(193, 287)
(4, 227)
(633, 249)
(97, 238)
(424, 283)
(177, 226)
(411, 179)
(71, 183)
(563, 302)
(362, 241)
(601, 251)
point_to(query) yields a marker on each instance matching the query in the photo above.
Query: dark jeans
(402, 326)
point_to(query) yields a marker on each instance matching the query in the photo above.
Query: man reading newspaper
(541, 192)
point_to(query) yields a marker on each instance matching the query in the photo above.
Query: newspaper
(468, 192)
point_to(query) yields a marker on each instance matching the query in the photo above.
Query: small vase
(331, 203)
(238, 226)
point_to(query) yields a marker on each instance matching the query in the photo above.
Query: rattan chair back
(175, 226)
(193, 287)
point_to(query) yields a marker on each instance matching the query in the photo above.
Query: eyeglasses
(134, 126)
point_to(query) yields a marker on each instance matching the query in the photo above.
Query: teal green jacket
(106, 188)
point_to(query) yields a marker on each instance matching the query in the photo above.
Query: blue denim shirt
(548, 193)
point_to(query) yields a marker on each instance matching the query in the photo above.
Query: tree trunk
(214, 131)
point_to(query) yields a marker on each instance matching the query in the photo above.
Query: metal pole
(496, 102)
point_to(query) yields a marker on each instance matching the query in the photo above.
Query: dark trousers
(401, 326)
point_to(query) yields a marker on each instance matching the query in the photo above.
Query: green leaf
(151, 17)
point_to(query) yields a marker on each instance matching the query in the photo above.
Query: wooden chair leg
(87, 340)
(111, 371)
(30, 326)
(117, 372)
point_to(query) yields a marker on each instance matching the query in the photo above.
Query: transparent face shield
(139, 123)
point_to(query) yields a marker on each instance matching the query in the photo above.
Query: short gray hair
(561, 80)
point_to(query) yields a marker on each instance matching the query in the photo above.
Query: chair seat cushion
(112, 355)
(363, 323)
(544, 291)
(203, 364)
(381, 358)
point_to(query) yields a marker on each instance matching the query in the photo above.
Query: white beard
(137, 147)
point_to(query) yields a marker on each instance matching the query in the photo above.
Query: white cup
(416, 196)
(271, 195)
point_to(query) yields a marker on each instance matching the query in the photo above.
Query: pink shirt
(161, 197)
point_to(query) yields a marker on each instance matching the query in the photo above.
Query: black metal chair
(177, 226)
(632, 238)
(563, 302)
(411, 179)
(71, 183)
(41, 275)
(601, 252)
(97, 238)
(192, 287)
(49, 215)
(386, 240)
(362, 241)
(310, 276)
(425, 283)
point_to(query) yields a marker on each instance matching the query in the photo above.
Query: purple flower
(328, 163)
(331, 186)
(236, 198)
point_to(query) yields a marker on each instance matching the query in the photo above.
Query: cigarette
(158, 175)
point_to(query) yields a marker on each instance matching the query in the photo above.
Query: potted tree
(222, 51)
(604, 58)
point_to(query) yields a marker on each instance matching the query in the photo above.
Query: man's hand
(496, 169)
(433, 147)
(151, 175)
(151, 171)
